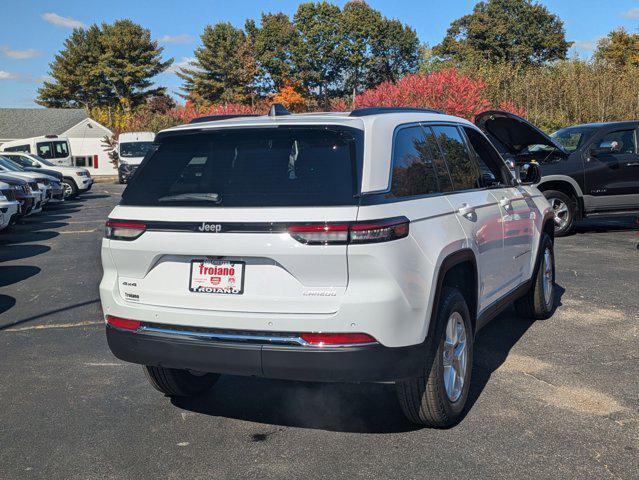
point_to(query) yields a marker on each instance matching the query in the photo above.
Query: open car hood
(514, 133)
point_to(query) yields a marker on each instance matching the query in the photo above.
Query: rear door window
(493, 170)
(622, 141)
(463, 169)
(414, 171)
(258, 167)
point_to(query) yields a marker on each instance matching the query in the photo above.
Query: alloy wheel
(562, 213)
(547, 281)
(455, 355)
(67, 190)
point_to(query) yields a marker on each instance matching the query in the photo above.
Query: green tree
(317, 55)
(519, 32)
(107, 66)
(619, 48)
(224, 67)
(395, 51)
(76, 77)
(274, 41)
(129, 60)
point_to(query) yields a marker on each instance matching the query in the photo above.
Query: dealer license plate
(217, 276)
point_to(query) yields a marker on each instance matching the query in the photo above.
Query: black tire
(179, 383)
(68, 185)
(536, 304)
(569, 215)
(424, 400)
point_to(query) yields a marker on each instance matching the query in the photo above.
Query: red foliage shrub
(446, 90)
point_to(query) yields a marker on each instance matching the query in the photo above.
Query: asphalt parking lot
(552, 399)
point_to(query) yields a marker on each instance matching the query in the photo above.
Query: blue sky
(34, 31)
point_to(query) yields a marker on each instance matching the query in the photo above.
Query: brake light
(122, 230)
(327, 339)
(322, 234)
(123, 323)
(369, 231)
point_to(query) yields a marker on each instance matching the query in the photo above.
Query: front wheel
(179, 383)
(437, 397)
(539, 301)
(565, 208)
(69, 188)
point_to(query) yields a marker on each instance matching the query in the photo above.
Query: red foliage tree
(446, 90)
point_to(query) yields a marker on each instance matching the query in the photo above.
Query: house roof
(18, 123)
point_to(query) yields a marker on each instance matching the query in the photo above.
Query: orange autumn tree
(289, 96)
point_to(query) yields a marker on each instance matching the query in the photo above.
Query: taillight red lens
(379, 230)
(320, 234)
(123, 323)
(320, 339)
(123, 230)
(370, 231)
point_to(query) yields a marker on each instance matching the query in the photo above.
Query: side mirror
(530, 173)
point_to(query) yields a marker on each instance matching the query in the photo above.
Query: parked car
(23, 194)
(132, 148)
(75, 180)
(50, 147)
(40, 184)
(9, 205)
(587, 170)
(361, 247)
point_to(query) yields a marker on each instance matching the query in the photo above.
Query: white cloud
(631, 14)
(4, 75)
(19, 54)
(183, 38)
(61, 21)
(185, 62)
(586, 46)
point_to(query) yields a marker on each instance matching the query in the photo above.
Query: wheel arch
(565, 184)
(458, 270)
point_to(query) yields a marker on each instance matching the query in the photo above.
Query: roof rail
(277, 110)
(215, 118)
(367, 111)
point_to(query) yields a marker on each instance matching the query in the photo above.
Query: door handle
(466, 210)
(632, 164)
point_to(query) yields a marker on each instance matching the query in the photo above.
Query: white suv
(367, 246)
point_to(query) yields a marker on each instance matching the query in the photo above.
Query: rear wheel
(564, 207)
(179, 383)
(69, 188)
(539, 302)
(437, 397)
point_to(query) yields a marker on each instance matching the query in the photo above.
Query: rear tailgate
(216, 207)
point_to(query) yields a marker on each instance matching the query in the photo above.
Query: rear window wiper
(199, 197)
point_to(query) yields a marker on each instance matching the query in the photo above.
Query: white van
(131, 149)
(50, 147)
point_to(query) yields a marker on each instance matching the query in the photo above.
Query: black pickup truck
(587, 170)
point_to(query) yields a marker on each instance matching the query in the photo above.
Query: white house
(85, 134)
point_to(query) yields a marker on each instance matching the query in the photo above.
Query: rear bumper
(365, 363)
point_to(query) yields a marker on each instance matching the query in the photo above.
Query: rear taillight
(369, 231)
(121, 230)
(333, 339)
(123, 323)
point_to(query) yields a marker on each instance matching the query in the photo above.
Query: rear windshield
(251, 168)
(135, 149)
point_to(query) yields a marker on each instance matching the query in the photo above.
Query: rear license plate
(217, 276)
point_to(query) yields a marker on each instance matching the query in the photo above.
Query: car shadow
(6, 303)
(16, 273)
(18, 252)
(339, 407)
(610, 224)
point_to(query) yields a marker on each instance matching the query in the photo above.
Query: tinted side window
(624, 139)
(491, 165)
(463, 169)
(413, 170)
(19, 148)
